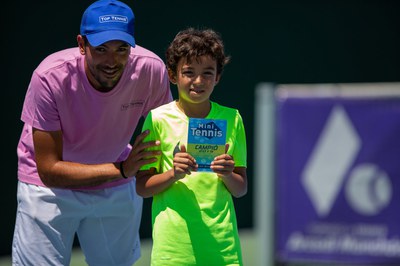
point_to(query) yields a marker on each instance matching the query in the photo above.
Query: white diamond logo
(331, 158)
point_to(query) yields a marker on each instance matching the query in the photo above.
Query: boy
(193, 215)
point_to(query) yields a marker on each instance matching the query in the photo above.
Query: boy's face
(195, 79)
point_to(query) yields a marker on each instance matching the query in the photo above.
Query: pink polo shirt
(97, 127)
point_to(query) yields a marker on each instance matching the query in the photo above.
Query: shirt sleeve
(148, 124)
(160, 86)
(40, 109)
(239, 151)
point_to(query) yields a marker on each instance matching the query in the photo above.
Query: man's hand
(139, 156)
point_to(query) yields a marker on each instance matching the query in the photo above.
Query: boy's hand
(224, 164)
(184, 163)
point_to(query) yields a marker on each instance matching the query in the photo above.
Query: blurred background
(287, 41)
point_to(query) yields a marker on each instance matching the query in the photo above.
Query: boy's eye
(187, 73)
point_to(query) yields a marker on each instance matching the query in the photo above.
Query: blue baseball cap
(107, 20)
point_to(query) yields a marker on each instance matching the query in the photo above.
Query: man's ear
(81, 44)
(172, 76)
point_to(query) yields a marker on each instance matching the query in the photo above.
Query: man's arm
(54, 172)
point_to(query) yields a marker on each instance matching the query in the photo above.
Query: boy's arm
(234, 178)
(149, 183)
(236, 182)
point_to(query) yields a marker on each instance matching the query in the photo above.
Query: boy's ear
(217, 78)
(172, 76)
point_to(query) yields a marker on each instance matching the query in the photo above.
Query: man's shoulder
(144, 53)
(59, 59)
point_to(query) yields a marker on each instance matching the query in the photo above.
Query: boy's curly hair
(192, 43)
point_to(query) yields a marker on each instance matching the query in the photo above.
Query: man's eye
(123, 49)
(100, 50)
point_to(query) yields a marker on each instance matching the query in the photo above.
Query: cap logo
(113, 18)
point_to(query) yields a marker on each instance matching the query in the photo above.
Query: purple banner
(338, 180)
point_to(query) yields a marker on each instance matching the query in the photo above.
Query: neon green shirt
(194, 220)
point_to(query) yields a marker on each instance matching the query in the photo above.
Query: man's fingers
(141, 137)
(142, 146)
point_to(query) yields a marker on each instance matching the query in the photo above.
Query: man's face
(104, 64)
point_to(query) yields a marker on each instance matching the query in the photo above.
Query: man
(76, 165)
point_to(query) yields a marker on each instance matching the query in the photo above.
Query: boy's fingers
(183, 148)
(226, 147)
